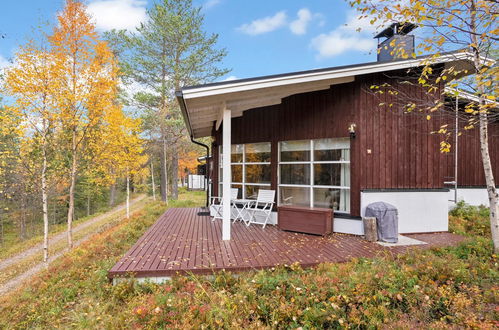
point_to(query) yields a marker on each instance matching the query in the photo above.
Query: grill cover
(387, 218)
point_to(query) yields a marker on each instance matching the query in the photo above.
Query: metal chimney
(396, 37)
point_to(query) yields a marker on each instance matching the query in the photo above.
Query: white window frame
(311, 163)
(243, 164)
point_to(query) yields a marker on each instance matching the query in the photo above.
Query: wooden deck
(182, 242)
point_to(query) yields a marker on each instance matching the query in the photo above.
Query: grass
(13, 245)
(106, 222)
(449, 287)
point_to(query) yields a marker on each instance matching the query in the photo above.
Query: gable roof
(203, 105)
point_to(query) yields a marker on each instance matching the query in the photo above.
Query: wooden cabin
(321, 139)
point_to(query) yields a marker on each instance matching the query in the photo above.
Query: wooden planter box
(317, 221)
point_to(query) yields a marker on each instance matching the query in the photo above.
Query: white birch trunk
(44, 197)
(72, 185)
(490, 182)
(128, 196)
(484, 137)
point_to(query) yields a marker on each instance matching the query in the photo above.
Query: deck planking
(182, 242)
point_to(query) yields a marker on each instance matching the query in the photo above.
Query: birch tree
(33, 82)
(119, 151)
(87, 86)
(451, 25)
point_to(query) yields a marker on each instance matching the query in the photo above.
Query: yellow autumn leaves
(64, 86)
(70, 79)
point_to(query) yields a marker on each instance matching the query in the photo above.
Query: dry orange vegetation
(452, 287)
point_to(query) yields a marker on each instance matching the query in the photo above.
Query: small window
(332, 150)
(257, 153)
(295, 151)
(259, 173)
(327, 174)
(295, 174)
(294, 196)
(236, 154)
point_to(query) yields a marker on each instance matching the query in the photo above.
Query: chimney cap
(396, 28)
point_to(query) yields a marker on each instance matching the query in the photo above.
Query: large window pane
(257, 153)
(258, 173)
(237, 173)
(293, 151)
(236, 154)
(252, 191)
(332, 150)
(336, 199)
(294, 196)
(332, 175)
(295, 174)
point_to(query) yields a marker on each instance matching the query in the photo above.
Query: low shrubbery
(470, 220)
(455, 286)
(419, 289)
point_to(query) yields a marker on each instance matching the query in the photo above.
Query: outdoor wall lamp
(351, 130)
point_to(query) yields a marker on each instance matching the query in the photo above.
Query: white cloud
(117, 14)
(358, 23)
(355, 34)
(211, 3)
(230, 78)
(264, 25)
(335, 43)
(299, 26)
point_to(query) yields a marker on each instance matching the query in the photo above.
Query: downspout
(183, 108)
(456, 148)
(206, 171)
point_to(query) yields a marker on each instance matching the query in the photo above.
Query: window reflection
(257, 173)
(336, 199)
(326, 162)
(257, 153)
(332, 175)
(292, 151)
(295, 174)
(294, 196)
(250, 168)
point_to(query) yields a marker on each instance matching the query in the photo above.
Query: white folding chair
(218, 199)
(263, 205)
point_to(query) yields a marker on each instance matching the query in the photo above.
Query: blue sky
(262, 37)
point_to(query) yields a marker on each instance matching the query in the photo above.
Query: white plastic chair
(263, 204)
(218, 210)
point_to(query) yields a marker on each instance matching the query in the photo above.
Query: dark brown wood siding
(470, 165)
(397, 149)
(391, 150)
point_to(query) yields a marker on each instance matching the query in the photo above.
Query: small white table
(239, 211)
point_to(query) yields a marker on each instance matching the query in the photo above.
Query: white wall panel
(418, 211)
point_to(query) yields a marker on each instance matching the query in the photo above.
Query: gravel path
(14, 282)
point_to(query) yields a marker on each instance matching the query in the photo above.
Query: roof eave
(217, 88)
(183, 108)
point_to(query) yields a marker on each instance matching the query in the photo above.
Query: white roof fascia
(467, 95)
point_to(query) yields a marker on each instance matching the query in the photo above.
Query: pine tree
(169, 50)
